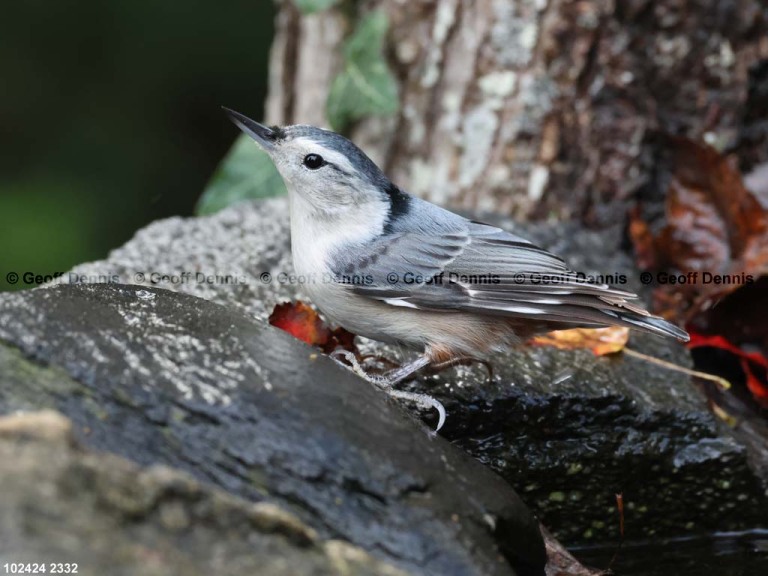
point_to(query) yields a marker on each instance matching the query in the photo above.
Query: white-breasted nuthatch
(402, 270)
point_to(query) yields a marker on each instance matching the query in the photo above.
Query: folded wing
(458, 265)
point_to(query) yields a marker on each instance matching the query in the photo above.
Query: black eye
(313, 161)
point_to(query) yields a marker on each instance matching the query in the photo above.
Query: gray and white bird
(395, 268)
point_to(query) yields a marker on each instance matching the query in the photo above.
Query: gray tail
(654, 324)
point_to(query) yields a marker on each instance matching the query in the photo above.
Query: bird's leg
(388, 380)
(379, 359)
(406, 370)
(464, 361)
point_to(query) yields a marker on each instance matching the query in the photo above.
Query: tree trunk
(536, 108)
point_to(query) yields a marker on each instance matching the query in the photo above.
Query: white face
(333, 206)
(322, 176)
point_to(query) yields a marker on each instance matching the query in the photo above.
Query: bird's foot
(352, 363)
(387, 381)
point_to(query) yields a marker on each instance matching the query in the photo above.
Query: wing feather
(448, 263)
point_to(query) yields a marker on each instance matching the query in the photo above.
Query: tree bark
(535, 108)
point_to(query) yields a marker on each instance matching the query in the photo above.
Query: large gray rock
(161, 377)
(567, 429)
(65, 505)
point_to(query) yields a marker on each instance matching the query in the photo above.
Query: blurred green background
(110, 117)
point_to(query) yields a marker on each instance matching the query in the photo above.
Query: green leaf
(365, 86)
(312, 6)
(245, 173)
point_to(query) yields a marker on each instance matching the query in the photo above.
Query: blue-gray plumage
(404, 270)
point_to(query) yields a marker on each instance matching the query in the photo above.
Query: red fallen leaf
(600, 341)
(754, 364)
(303, 322)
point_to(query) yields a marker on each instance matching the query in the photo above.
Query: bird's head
(324, 168)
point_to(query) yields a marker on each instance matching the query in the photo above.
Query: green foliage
(312, 6)
(366, 86)
(245, 173)
(110, 120)
(33, 215)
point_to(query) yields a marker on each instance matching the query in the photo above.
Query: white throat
(316, 235)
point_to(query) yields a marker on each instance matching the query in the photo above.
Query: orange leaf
(600, 341)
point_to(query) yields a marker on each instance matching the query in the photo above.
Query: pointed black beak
(263, 135)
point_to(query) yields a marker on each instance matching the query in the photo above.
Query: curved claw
(345, 354)
(424, 401)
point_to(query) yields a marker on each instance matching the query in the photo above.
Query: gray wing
(450, 263)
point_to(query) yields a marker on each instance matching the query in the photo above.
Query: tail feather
(654, 325)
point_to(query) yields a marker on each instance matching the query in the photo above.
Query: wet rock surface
(570, 452)
(568, 430)
(165, 378)
(66, 505)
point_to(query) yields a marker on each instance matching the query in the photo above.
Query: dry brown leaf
(714, 226)
(600, 341)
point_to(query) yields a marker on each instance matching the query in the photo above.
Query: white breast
(315, 236)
